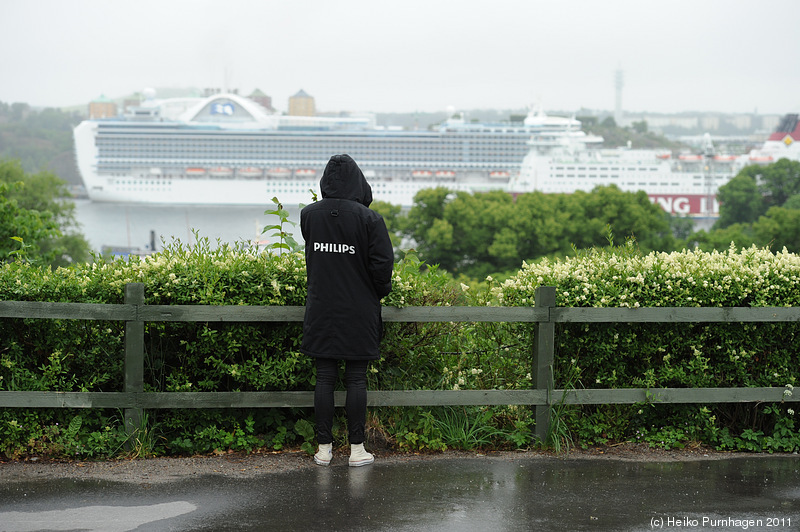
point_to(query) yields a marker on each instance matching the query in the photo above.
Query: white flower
(790, 412)
(464, 287)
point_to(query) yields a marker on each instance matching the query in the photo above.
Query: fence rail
(545, 314)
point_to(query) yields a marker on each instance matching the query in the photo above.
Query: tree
(793, 202)
(423, 226)
(630, 214)
(779, 228)
(609, 122)
(779, 181)
(477, 219)
(740, 235)
(681, 226)
(493, 232)
(23, 230)
(640, 127)
(740, 201)
(538, 225)
(391, 215)
(45, 193)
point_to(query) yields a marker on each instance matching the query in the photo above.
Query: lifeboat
(445, 174)
(690, 157)
(250, 172)
(499, 174)
(724, 157)
(220, 171)
(195, 172)
(279, 172)
(761, 158)
(664, 156)
(305, 173)
(421, 174)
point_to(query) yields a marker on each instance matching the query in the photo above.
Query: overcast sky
(735, 56)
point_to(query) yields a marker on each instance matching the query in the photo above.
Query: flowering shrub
(83, 355)
(671, 354)
(78, 355)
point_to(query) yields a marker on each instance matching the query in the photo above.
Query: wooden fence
(543, 396)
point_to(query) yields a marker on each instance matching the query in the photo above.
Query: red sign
(687, 204)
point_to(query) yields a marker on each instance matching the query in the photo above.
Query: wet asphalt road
(461, 494)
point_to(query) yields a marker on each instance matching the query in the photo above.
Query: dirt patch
(239, 465)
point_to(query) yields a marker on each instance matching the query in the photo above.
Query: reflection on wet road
(432, 494)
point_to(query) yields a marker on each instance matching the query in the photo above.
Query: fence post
(543, 348)
(134, 358)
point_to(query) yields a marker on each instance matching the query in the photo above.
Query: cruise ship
(227, 149)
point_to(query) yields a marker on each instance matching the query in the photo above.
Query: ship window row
(133, 149)
(260, 143)
(178, 171)
(605, 168)
(613, 176)
(255, 159)
(327, 148)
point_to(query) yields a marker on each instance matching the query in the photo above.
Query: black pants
(355, 381)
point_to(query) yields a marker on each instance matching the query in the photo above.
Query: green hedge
(72, 355)
(679, 354)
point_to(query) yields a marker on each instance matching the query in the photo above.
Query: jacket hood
(343, 179)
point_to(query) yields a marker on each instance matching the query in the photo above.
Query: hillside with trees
(40, 139)
(638, 134)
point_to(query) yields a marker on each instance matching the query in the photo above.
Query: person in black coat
(349, 259)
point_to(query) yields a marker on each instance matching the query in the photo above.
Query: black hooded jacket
(349, 260)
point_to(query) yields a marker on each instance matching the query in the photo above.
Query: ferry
(563, 162)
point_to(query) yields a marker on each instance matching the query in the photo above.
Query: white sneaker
(324, 454)
(360, 457)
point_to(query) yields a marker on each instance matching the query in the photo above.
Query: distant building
(770, 122)
(102, 107)
(709, 122)
(134, 101)
(301, 104)
(262, 99)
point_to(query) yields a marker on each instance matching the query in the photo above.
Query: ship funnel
(536, 115)
(708, 145)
